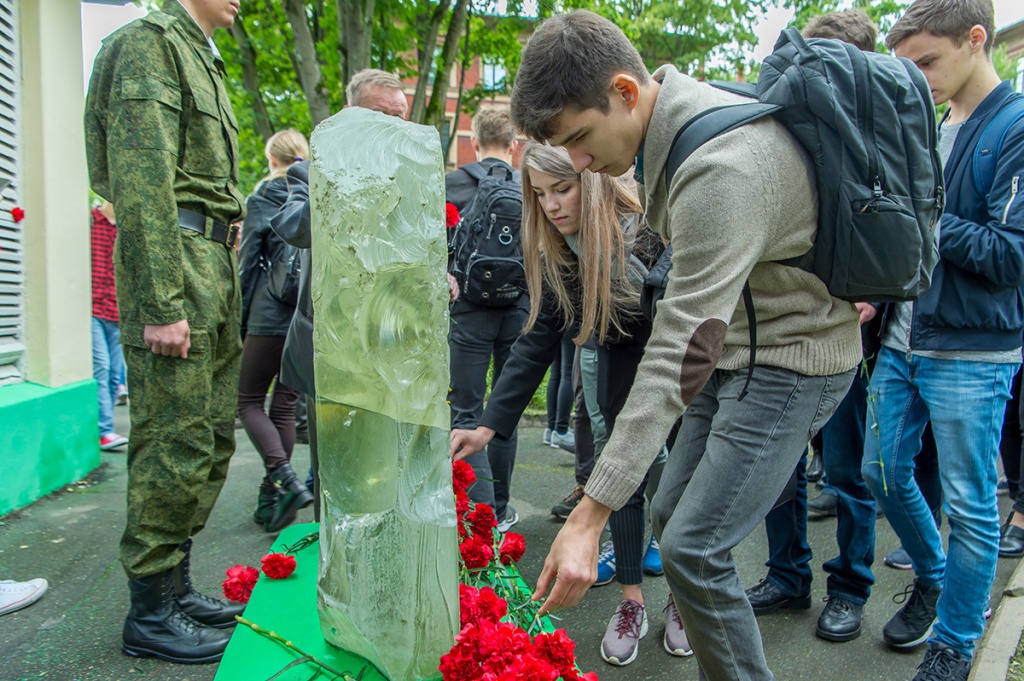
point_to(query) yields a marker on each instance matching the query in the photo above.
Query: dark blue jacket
(975, 301)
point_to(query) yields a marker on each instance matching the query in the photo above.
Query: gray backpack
(868, 122)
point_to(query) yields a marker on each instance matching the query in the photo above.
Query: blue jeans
(729, 463)
(107, 368)
(965, 401)
(849, 573)
(476, 334)
(789, 555)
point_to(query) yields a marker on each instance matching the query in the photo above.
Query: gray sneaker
(622, 638)
(676, 642)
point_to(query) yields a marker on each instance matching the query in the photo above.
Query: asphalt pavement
(73, 633)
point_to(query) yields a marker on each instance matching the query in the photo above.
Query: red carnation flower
(557, 649)
(483, 521)
(240, 583)
(512, 548)
(451, 215)
(530, 668)
(461, 504)
(462, 531)
(480, 605)
(463, 476)
(18, 213)
(589, 676)
(278, 565)
(501, 645)
(475, 553)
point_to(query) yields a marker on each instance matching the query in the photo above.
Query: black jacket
(262, 313)
(533, 352)
(292, 223)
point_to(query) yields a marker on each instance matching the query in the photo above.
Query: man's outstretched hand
(466, 442)
(572, 561)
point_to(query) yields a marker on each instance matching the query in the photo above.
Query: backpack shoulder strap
(708, 125)
(475, 171)
(745, 89)
(991, 143)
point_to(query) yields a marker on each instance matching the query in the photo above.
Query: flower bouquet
(502, 637)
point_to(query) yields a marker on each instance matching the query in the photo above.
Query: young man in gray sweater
(740, 203)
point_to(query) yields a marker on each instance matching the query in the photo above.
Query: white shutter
(12, 273)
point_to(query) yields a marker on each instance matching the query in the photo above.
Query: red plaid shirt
(104, 293)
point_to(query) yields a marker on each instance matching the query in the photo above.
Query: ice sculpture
(388, 586)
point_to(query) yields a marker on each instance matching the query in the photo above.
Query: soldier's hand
(169, 340)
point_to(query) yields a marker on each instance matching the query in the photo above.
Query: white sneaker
(547, 436)
(511, 518)
(18, 595)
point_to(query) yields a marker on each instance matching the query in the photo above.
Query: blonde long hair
(286, 147)
(600, 270)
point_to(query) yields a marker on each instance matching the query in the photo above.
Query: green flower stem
(298, 651)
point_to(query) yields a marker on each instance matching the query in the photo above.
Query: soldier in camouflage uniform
(162, 147)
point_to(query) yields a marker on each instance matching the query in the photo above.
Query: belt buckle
(234, 233)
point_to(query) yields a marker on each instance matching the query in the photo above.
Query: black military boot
(291, 496)
(266, 504)
(204, 609)
(156, 626)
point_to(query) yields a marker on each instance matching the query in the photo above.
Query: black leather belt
(219, 232)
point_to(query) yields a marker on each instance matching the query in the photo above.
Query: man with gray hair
(371, 89)
(377, 90)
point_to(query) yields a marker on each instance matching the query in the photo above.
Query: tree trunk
(419, 104)
(308, 65)
(439, 94)
(251, 80)
(467, 61)
(355, 27)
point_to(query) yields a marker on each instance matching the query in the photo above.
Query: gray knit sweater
(740, 202)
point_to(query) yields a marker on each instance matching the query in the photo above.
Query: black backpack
(487, 250)
(868, 123)
(283, 270)
(278, 260)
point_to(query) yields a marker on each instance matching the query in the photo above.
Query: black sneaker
(564, 507)
(913, 623)
(765, 597)
(840, 620)
(942, 663)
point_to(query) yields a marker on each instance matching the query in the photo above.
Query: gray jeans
(730, 462)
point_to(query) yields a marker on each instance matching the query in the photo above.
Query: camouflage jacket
(160, 134)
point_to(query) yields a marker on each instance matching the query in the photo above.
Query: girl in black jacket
(266, 314)
(586, 254)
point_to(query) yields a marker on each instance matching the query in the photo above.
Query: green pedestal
(50, 438)
(288, 608)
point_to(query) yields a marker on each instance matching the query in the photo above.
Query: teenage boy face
(603, 142)
(947, 67)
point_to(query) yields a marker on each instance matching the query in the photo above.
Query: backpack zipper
(1014, 186)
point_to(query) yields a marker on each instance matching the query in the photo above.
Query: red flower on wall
(18, 214)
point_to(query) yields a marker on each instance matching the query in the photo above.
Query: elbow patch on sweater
(702, 354)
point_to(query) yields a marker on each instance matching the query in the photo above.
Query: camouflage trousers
(182, 439)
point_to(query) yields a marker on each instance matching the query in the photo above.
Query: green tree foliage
(288, 60)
